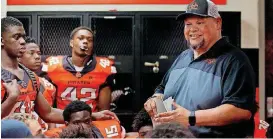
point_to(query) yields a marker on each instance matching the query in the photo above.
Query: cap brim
(185, 15)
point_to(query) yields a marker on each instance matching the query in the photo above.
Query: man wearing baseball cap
(212, 82)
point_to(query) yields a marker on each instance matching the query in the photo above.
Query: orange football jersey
(73, 85)
(49, 92)
(25, 101)
(108, 128)
(260, 127)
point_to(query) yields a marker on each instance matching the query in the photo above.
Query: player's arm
(13, 92)
(7, 106)
(46, 112)
(105, 94)
(104, 98)
(49, 92)
(51, 125)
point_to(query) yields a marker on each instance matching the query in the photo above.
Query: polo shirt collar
(216, 50)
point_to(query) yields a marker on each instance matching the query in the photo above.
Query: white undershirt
(78, 69)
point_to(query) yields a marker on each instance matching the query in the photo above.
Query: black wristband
(192, 119)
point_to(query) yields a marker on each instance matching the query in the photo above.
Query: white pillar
(3, 8)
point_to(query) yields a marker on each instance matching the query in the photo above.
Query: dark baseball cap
(204, 8)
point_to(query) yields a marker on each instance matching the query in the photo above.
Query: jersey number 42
(82, 94)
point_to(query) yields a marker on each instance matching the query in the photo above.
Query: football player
(32, 60)
(79, 113)
(82, 76)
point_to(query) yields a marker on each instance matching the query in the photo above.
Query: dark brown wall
(269, 47)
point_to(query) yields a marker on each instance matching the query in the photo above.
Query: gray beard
(197, 46)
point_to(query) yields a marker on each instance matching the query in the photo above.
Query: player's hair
(9, 21)
(171, 130)
(80, 28)
(75, 106)
(29, 39)
(269, 132)
(23, 117)
(141, 119)
(76, 131)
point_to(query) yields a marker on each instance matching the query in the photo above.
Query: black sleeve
(110, 82)
(238, 84)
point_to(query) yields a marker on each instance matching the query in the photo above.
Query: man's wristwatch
(192, 118)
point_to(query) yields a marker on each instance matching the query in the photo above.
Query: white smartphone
(160, 107)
